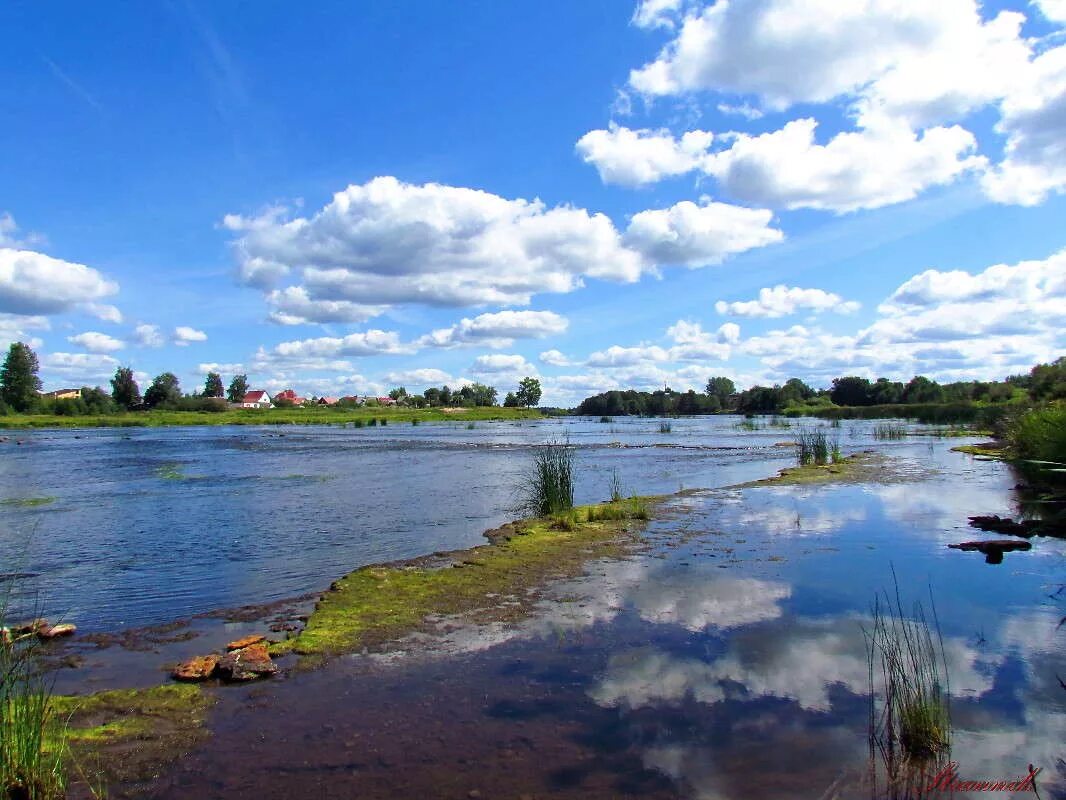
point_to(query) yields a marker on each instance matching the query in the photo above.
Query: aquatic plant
(747, 424)
(27, 502)
(31, 755)
(372, 422)
(416, 422)
(548, 487)
(470, 426)
(908, 680)
(890, 430)
(383, 421)
(357, 423)
(606, 419)
(617, 492)
(666, 427)
(812, 447)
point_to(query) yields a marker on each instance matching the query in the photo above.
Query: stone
(247, 664)
(55, 631)
(29, 627)
(246, 641)
(200, 668)
(993, 549)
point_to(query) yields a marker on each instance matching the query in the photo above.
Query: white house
(256, 399)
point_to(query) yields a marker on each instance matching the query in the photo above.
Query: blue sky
(350, 196)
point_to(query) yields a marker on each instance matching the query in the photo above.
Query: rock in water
(55, 631)
(994, 549)
(247, 664)
(200, 668)
(247, 641)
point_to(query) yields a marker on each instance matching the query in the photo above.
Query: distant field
(276, 416)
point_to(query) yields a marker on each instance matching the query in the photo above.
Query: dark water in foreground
(145, 526)
(727, 661)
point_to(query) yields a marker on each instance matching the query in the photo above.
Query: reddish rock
(248, 664)
(247, 641)
(994, 549)
(200, 668)
(55, 631)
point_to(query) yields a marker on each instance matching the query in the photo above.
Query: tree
(124, 389)
(850, 391)
(164, 390)
(922, 390)
(19, 384)
(238, 388)
(722, 388)
(432, 395)
(528, 393)
(399, 394)
(510, 401)
(213, 385)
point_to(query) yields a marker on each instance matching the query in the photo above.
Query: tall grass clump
(605, 419)
(617, 490)
(549, 483)
(32, 742)
(890, 430)
(666, 427)
(909, 689)
(812, 447)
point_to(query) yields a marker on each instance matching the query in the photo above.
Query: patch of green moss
(170, 472)
(377, 603)
(866, 466)
(989, 450)
(27, 502)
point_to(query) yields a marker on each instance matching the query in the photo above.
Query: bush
(1040, 434)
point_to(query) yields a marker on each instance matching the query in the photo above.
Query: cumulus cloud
(387, 242)
(869, 168)
(497, 330)
(1054, 10)
(330, 352)
(33, 283)
(184, 335)
(18, 328)
(782, 300)
(148, 335)
(693, 235)
(79, 368)
(636, 157)
(105, 312)
(294, 306)
(96, 342)
(224, 369)
(499, 363)
(692, 343)
(425, 376)
(657, 13)
(555, 358)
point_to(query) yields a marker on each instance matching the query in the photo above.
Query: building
(62, 394)
(256, 399)
(328, 401)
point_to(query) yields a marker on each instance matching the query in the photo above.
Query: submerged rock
(200, 668)
(993, 549)
(246, 641)
(247, 664)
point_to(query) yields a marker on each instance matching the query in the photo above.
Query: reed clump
(812, 447)
(890, 430)
(548, 487)
(909, 690)
(666, 427)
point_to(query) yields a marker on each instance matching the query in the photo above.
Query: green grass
(548, 486)
(322, 415)
(890, 430)
(908, 680)
(812, 447)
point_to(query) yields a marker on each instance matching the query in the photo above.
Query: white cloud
(499, 329)
(699, 235)
(148, 335)
(17, 328)
(427, 376)
(294, 306)
(856, 169)
(223, 369)
(1034, 122)
(636, 157)
(555, 358)
(617, 356)
(184, 335)
(104, 312)
(9, 236)
(692, 343)
(386, 242)
(329, 352)
(96, 342)
(657, 13)
(499, 363)
(1054, 10)
(743, 110)
(783, 300)
(33, 283)
(79, 368)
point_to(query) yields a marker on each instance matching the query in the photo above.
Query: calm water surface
(725, 662)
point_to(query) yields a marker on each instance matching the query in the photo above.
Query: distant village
(258, 398)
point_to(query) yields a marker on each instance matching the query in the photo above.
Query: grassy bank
(933, 413)
(275, 416)
(378, 603)
(866, 466)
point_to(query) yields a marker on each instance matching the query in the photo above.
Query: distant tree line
(20, 392)
(1044, 382)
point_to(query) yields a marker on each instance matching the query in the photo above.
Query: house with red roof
(256, 399)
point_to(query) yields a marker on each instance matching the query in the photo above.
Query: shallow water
(727, 660)
(144, 526)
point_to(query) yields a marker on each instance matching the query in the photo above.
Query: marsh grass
(890, 430)
(32, 738)
(372, 422)
(548, 486)
(470, 426)
(605, 419)
(909, 688)
(812, 447)
(416, 422)
(748, 424)
(666, 427)
(614, 484)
